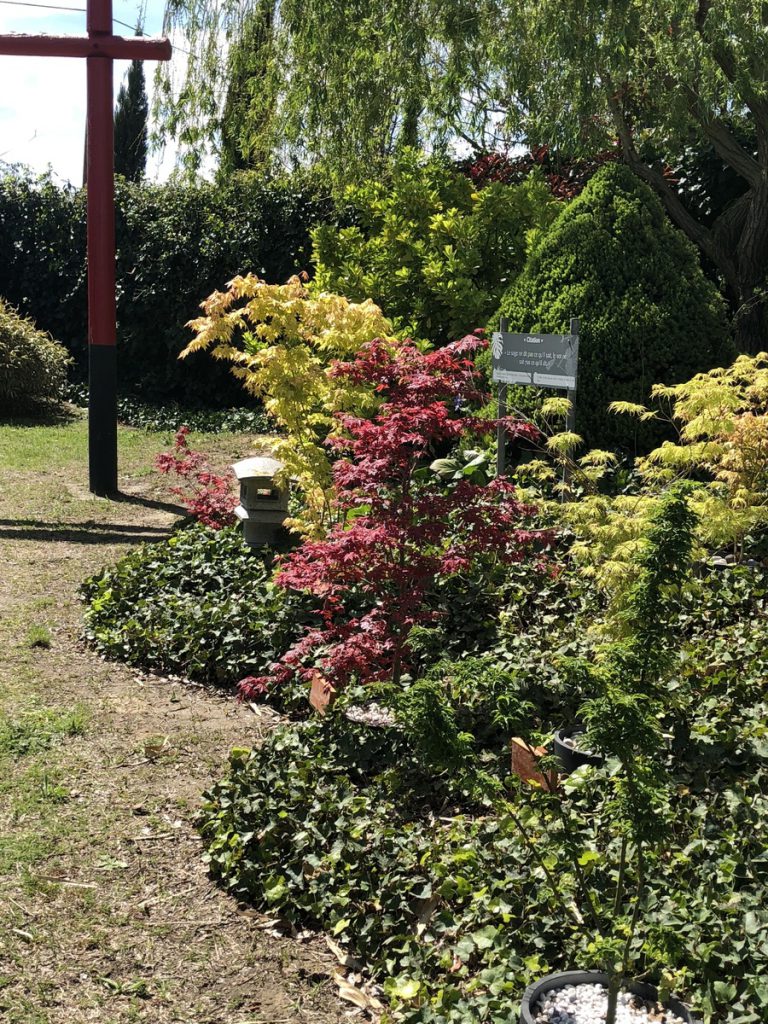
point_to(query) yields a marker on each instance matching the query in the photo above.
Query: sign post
(539, 360)
(501, 434)
(570, 423)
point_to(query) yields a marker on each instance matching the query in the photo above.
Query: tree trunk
(614, 986)
(737, 246)
(737, 243)
(750, 331)
(750, 320)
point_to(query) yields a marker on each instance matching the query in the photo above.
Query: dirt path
(106, 913)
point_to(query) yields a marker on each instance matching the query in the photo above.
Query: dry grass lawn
(106, 912)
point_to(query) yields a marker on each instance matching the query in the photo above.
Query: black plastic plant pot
(570, 757)
(555, 981)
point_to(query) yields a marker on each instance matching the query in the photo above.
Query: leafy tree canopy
(347, 83)
(387, 72)
(486, 70)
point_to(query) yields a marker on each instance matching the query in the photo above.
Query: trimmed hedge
(33, 367)
(175, 245)
(648, 314)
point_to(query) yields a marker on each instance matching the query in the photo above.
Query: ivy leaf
(275, 891)
(725, 991)
(589, 857)
(406, 989)
(486, 937)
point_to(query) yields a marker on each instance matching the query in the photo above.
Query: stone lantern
(263, 504)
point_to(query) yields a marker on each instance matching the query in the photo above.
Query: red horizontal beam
(78, 46)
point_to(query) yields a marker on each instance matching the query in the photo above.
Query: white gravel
(371, 714)
(587, 1004)
(578, 741)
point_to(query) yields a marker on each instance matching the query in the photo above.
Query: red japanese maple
(208, 496)
(404, 527)
(566, 178)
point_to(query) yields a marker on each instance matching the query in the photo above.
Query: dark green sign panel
(544, 360)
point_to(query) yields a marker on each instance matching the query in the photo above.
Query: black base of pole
(102, 419)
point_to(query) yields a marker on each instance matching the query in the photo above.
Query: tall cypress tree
(131, 116)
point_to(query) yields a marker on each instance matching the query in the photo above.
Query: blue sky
(42, 99)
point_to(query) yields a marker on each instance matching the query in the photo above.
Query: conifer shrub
(33, 367)
(647, 312)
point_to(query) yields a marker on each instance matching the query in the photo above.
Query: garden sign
(539, 360)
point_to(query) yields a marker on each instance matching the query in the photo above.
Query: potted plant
(558, 994)
(571, 746)
(621, 720)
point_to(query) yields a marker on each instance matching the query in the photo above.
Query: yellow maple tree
(281, 341)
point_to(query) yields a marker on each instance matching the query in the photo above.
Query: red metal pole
(102, 402)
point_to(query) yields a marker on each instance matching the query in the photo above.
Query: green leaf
(725, 991)
(275, 891)
(486, 937)
(406, 989)
(589, 857)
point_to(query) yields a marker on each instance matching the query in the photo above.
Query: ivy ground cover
(452, 898)
(337, 825)
(340, 826)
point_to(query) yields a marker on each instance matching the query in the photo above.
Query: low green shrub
(200, 604)
(335, 825)
(33, 367)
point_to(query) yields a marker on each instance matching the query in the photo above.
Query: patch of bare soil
(106, 910)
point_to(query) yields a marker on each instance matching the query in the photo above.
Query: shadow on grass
(80, 533)
(137, 499)
(41, 416)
